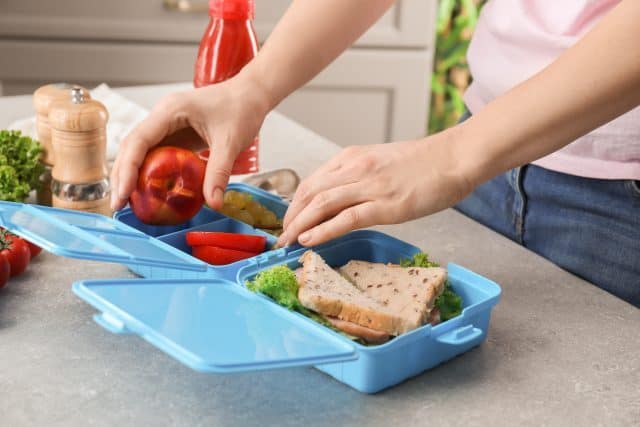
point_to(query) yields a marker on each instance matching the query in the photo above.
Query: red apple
(169, 188)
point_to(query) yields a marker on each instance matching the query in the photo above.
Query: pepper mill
(78, 137)
(43, 97)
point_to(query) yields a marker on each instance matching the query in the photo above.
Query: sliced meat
(371, 336)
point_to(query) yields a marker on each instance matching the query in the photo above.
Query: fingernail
(218, 198)
(282, 241)
(114, 200)
(304, 237)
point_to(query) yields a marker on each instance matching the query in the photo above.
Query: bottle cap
(232, 9)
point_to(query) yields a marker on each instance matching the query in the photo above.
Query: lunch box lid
(213, 325)
(91, 236)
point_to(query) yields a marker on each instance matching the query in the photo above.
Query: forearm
(309, 36)
(593, 82)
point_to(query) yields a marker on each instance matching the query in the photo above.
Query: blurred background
(377, 91)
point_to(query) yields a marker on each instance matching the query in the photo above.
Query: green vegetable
(280, 284)
(418, 260)
(20, 166)
(449, 303)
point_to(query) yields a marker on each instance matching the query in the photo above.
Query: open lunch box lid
(85, 235)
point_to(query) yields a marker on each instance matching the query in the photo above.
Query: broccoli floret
(280, 284)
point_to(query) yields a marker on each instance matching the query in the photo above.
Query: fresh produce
(20, 166)
(280, 284)
(240, 242)
(16, 251)
(242, 207)
(169, 188)
(220, 256)
(33, 249)
(449, 303)
(5, 271)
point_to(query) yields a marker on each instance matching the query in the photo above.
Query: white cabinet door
(366, 97)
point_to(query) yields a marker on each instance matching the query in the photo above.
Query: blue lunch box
(203, 315)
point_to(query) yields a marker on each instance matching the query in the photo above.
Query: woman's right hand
(226, 116)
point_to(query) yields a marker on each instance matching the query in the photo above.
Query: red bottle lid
(232, 9)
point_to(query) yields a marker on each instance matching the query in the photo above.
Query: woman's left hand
(374, 184)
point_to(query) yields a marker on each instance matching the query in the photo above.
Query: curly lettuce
(20, 166)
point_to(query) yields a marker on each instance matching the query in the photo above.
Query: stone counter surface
(559, 351)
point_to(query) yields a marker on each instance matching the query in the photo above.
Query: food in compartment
(241, 242)
(220, 248)
(243, 207)
(368, 302)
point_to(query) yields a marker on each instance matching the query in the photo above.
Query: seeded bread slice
(409, 292)
(325, 291)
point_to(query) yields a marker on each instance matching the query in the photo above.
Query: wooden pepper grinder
(43, 97)
(78, 137)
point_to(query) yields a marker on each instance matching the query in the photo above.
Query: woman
(546, 74)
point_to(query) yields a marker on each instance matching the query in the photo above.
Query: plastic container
(228, 44)
(205, 317)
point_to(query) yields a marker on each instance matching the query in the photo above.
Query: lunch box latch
(111, 323)
(460, 336)
(270, 257)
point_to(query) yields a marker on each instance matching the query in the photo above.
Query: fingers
(324, 205)
(353, 218)
(332, 174)
(218, 171)
(162, 121)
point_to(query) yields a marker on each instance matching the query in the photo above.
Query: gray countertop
(559, 351)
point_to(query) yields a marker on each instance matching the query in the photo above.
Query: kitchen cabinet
(377, 91)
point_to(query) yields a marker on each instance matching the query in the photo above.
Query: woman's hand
(375, 184)
(226, 116)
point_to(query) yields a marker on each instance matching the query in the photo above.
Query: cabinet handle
(185, 6)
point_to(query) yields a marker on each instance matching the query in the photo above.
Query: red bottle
(228, 44)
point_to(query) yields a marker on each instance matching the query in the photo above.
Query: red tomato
(169, 188)
(220, 256)
(33, 249)
(5, 271)
(241, 242)
(16, 251)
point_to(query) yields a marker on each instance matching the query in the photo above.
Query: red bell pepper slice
(220, 256)
(239, 242)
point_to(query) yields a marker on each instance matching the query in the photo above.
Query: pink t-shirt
(514, 40)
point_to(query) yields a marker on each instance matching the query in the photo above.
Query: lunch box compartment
(205, 317)
(204, 216)
(227, 225)
(206, 220)
(381, 366)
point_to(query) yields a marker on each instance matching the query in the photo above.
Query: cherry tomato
(33, 249)
(240, 242)
(5, 271)
(220, 256)
(16, 251)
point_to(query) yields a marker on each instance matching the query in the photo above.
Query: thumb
(216, 178)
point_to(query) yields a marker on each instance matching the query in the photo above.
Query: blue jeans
(590, 227)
